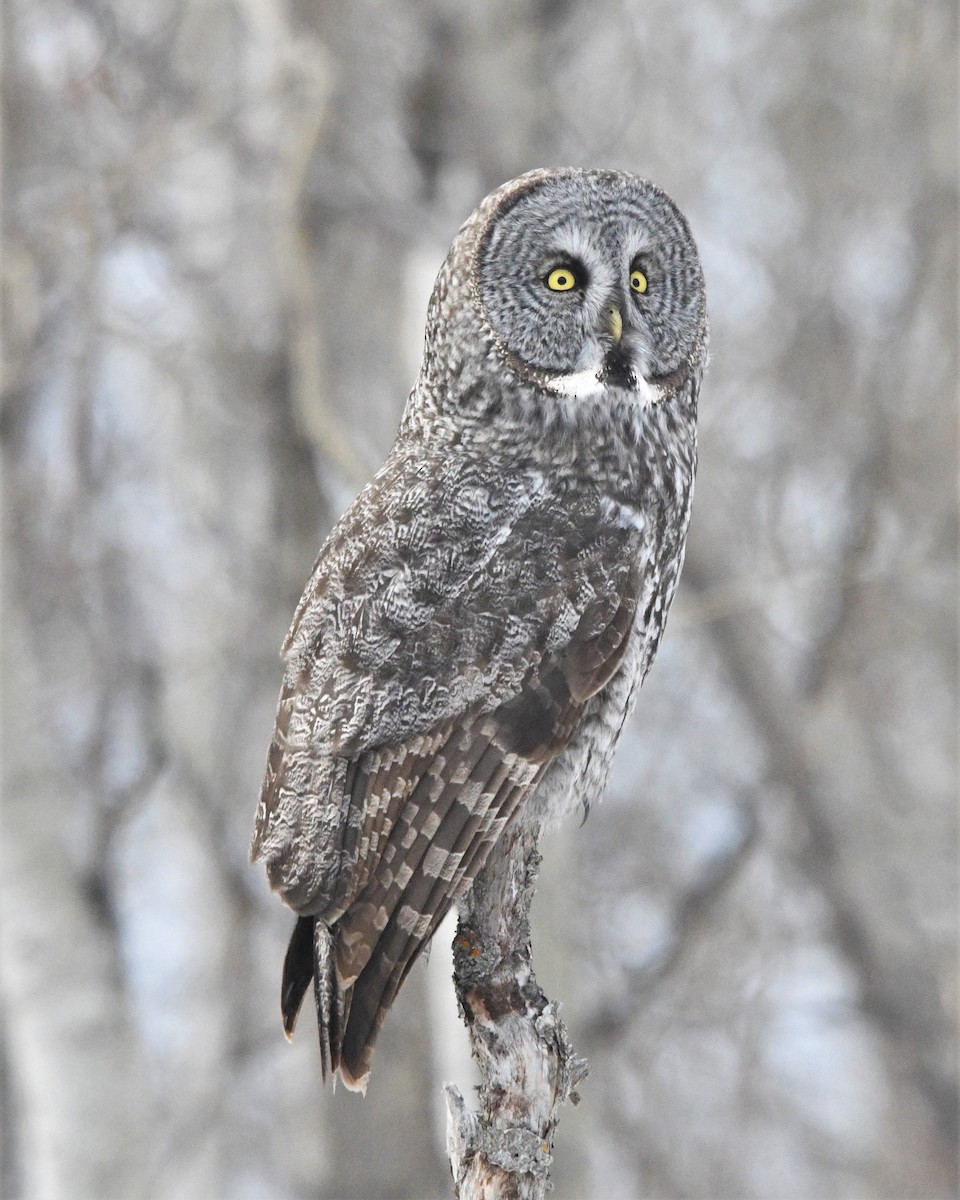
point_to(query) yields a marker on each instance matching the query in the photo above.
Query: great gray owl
(476, 625)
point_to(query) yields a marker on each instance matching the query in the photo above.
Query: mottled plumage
(477, 623)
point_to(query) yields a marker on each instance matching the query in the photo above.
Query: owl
(477, 624)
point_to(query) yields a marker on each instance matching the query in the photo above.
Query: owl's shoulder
(422, 523)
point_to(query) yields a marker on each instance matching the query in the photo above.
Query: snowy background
(222, 219)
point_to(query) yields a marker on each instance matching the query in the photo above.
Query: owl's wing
(444, 590)
(487, 765)
(433, 809)
(411, 729)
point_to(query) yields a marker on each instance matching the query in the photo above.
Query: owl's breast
(578, 777)
(580, 773)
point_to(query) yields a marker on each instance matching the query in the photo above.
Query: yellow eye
(638, 281)
(561, 279)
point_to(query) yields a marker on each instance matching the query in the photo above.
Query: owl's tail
(349, 1017)
(311, 956)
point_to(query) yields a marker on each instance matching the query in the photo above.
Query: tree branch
(527, 1065)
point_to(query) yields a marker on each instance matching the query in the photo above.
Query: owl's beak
(616, 325)
(617, 366)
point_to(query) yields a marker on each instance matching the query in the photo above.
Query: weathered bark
(527, 1065)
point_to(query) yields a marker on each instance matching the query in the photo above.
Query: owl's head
(591, 280)
(584, 281)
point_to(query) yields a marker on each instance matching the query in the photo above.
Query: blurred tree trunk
(70, 1043)
(150, 456)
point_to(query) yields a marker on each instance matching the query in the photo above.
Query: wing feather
(407, 920)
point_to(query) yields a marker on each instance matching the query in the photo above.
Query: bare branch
(527, 1065)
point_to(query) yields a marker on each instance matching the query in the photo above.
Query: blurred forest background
(222, 219)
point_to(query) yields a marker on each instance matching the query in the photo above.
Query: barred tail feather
(333, 1003)
(311, 955)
